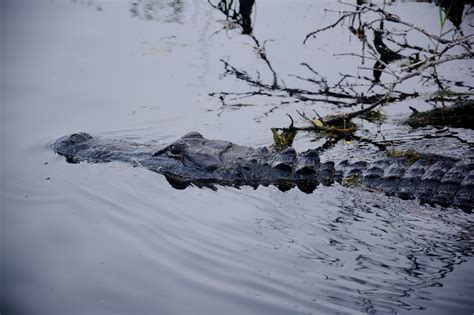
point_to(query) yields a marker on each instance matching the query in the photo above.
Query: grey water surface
(116, 239)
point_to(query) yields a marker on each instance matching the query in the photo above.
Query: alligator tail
(439, 181)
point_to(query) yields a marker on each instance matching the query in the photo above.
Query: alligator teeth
(284, 160)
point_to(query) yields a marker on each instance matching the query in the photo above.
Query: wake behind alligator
(196, 160)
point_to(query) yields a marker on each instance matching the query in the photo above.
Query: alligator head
(200, 161)
(192, 158)
(70, 146)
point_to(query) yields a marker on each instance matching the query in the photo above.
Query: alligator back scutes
(440, 181)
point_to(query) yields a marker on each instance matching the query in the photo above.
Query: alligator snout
(68, 146)
(73, 139)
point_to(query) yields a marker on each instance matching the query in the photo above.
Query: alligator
(193, 159)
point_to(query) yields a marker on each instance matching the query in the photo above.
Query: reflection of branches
(355, 89)
(346, 117)
(242, 17)
(347, 91)
(341, 94)
(383, 56)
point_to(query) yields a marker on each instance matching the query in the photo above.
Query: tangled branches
(413, 52)
(421, 59)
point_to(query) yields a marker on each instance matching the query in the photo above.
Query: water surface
(113, 239)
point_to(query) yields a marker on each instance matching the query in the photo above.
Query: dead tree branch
(379, 53)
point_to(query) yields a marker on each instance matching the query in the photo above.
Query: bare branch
(341, 19)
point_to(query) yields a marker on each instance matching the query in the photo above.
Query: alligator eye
(175, 149)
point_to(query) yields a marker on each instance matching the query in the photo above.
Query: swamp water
(113, 239)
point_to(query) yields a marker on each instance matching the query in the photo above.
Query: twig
(342, 18)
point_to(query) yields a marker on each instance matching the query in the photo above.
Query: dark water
(112, 239)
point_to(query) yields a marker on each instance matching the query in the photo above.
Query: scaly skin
(193, 159)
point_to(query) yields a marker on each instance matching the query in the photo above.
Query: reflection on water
(169, 11)
(115, 239)
(454, 9)
(370, 258)
(241, 13)
(90, 4)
